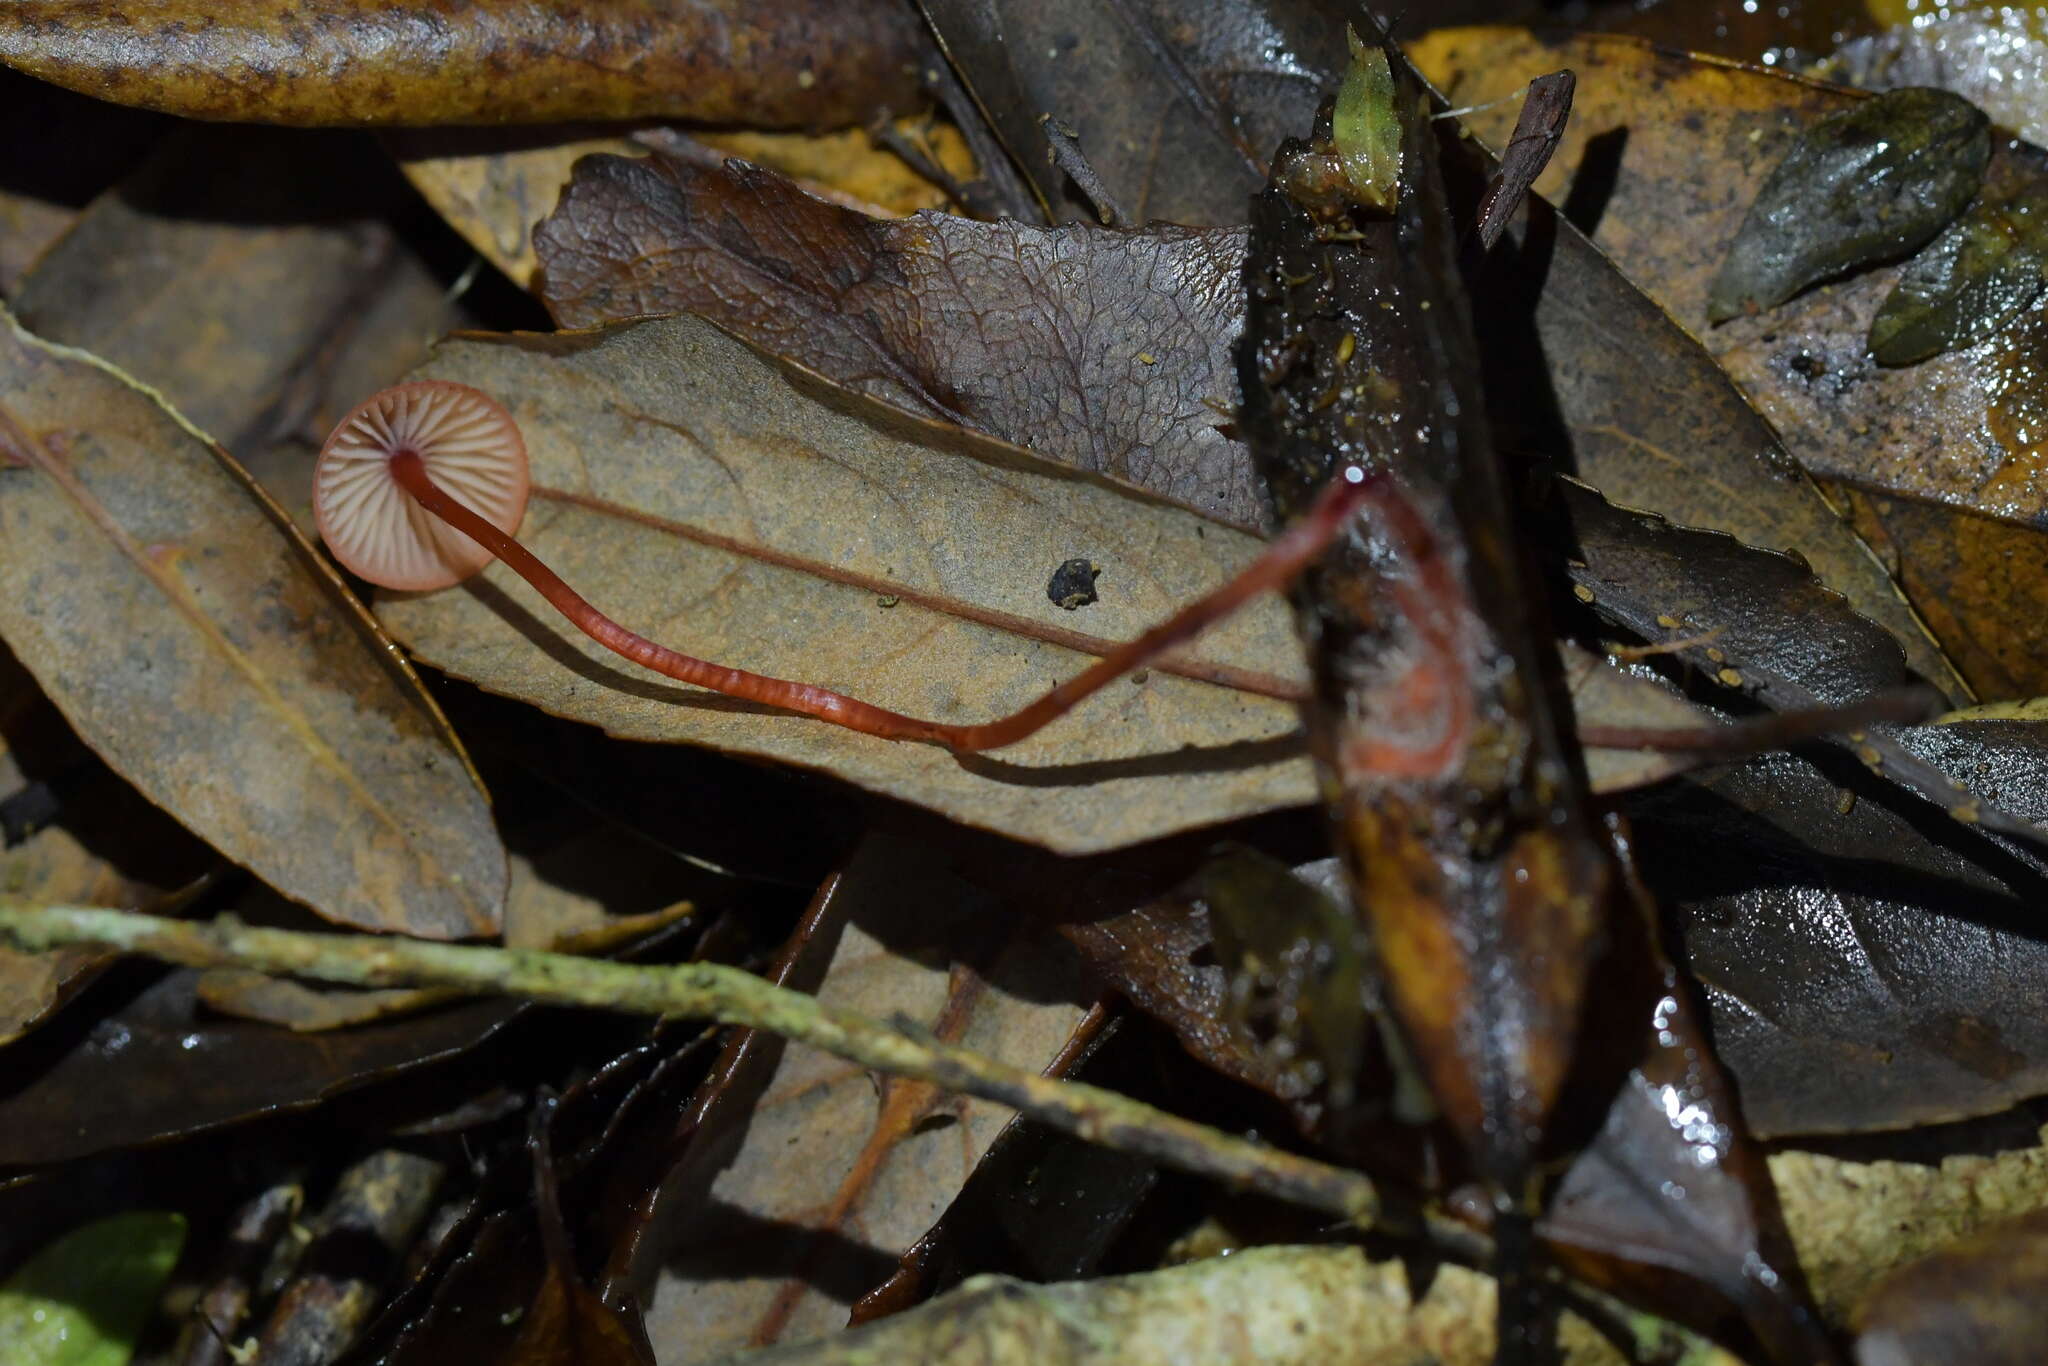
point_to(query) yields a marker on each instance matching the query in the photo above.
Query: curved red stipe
(1430, 605)
(1281, 561)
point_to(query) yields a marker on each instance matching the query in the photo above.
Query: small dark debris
(1073, 583)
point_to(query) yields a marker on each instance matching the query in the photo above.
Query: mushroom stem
(1286, 556)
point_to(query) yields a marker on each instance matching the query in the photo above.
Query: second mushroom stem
(1288, 554)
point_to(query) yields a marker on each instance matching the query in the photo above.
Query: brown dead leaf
(493, 185)
(815, 63)
(1107, 350)
(214, 661)
(70, 834)
(1981, 585)
(233, 271)
(835, 1172)
(1671, 151)
(897, 560)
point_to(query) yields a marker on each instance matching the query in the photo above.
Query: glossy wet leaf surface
(1671, 151)
(1871, 183)
(1968, 283)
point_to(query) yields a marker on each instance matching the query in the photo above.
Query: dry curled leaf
(794, 62)
(202, 648)
(1108, 350)
(745, 512)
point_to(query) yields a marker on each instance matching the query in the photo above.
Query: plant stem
(730, 996)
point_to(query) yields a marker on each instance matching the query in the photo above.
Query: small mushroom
(422, 484)
(461, 439)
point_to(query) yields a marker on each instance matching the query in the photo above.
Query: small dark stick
(379, 471)
(1545, 110)
(1063, 150)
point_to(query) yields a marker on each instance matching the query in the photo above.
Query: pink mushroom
(423, 483)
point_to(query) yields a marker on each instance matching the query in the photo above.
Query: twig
(714, 991)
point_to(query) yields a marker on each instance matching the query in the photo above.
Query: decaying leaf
(753, 515)
(809, 62)
(493, 185)
(1177, 118)
(806, 1143)
(1968, 283)
(1871, 183)
(1107, 350)
(198, 644)
(1671, 151)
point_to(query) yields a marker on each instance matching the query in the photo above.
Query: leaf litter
(2008, 775)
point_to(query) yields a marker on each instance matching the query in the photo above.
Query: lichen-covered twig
(713, 991)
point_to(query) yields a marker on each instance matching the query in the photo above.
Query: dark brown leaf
(1177, 110)
(1107, 350)
(1867, 966)
(811, 62)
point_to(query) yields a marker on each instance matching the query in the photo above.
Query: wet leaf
(270, 717)
(1969, 282)
(1978, 1300)
(1866, 967)
(1428, 720)
(83, 1300)
(1107, 350)
(1869, 184)
(497, 61)
(1177, 117)
(654, 443)
(1669, 152)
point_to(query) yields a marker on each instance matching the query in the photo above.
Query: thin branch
(714, 991)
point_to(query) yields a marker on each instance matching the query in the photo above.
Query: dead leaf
(493, 185)
(1672, 151)
(829, 1173)
(797, 62)
(1980, 584)
(248, 695)
(1177, 117)
(1865, 968)
(70, 833)
(653, 442)
(45, 181)
(1106, 350)
(1969, 283)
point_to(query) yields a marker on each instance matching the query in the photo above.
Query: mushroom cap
(470, 447)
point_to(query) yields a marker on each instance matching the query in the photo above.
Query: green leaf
(1969, 284)
(1871, 183)
(82, 1300)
